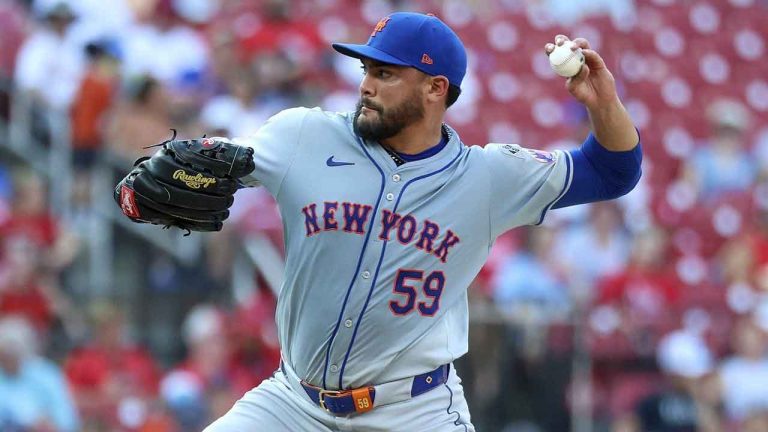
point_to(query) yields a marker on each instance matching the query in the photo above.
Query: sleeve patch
(513, 150)
(542, 156)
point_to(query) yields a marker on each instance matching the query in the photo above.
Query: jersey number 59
(406, 286)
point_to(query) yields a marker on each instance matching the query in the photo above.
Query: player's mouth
(366, 105)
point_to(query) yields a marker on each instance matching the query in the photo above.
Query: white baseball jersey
(379, 256)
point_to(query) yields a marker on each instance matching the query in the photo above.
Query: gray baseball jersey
(379, 256)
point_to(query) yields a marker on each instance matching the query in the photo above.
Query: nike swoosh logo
(332, 163)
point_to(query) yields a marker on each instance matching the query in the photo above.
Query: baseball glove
(188, 184)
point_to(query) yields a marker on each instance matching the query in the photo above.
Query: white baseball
(564, 61)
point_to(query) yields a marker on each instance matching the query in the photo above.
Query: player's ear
(437, 88)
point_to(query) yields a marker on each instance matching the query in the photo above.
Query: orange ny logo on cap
(380, 26)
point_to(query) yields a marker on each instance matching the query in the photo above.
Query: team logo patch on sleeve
(542, 156)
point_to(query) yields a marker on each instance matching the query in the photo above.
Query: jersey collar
(441, 154)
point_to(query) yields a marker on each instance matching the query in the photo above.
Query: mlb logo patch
(542, 156)
(513, 150)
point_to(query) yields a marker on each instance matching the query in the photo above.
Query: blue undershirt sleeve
(600, 174)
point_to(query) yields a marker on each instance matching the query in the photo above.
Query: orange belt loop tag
(362, 399)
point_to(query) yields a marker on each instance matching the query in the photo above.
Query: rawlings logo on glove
(188, 184)
(196, 181)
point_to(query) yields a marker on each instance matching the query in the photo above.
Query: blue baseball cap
(413, 39)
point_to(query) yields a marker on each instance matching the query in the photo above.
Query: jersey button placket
(390, 196)
(334, 368)
(396, 178)
(348, 323)
(366, 274)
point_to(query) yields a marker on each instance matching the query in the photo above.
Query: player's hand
(594, 85)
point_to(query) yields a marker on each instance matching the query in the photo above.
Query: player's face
(390, 100)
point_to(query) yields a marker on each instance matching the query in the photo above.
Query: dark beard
(390, 121)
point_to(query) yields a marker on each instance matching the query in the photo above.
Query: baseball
(564, 61)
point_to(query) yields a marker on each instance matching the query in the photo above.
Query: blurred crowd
(647, 313)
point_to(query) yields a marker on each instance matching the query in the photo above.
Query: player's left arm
(607, 165)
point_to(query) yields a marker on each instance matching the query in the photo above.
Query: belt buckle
(321, 398)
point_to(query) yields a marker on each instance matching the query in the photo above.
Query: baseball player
(388, 217)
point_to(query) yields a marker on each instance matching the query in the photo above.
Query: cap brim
(365, 51)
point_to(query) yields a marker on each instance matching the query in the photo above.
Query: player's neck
(416, 138)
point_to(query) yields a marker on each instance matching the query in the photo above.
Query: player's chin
(366, 120)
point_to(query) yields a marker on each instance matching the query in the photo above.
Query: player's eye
(377, 72)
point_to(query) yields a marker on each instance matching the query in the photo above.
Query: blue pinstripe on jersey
(354, 276)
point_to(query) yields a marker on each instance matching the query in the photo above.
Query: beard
(388, 122)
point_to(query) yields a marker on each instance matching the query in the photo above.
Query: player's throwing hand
(594, 85)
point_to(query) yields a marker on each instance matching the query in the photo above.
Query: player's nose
(366, 86)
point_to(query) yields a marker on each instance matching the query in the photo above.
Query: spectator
(33, 393)
(142, 120)
(32, 220)
(744, 374)
(206, 384)
(50, 64)
(647, 288)
(92, 102)
(109, 373)
(21, 290)
(34, 250)
(590, 251)
(723, 165)
(685, 360)
(161, 45)
(255, 346)
(735, 267)
(525, 282)
(13, 22)
(282, 33)
(234, 113)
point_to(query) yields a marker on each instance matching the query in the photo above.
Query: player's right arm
(595, 88)
(525, 183)
(275, 146)
(607, 165)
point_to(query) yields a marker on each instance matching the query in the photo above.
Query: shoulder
(300, 116)
(515, 153)
(290, 115)
(318, 117)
